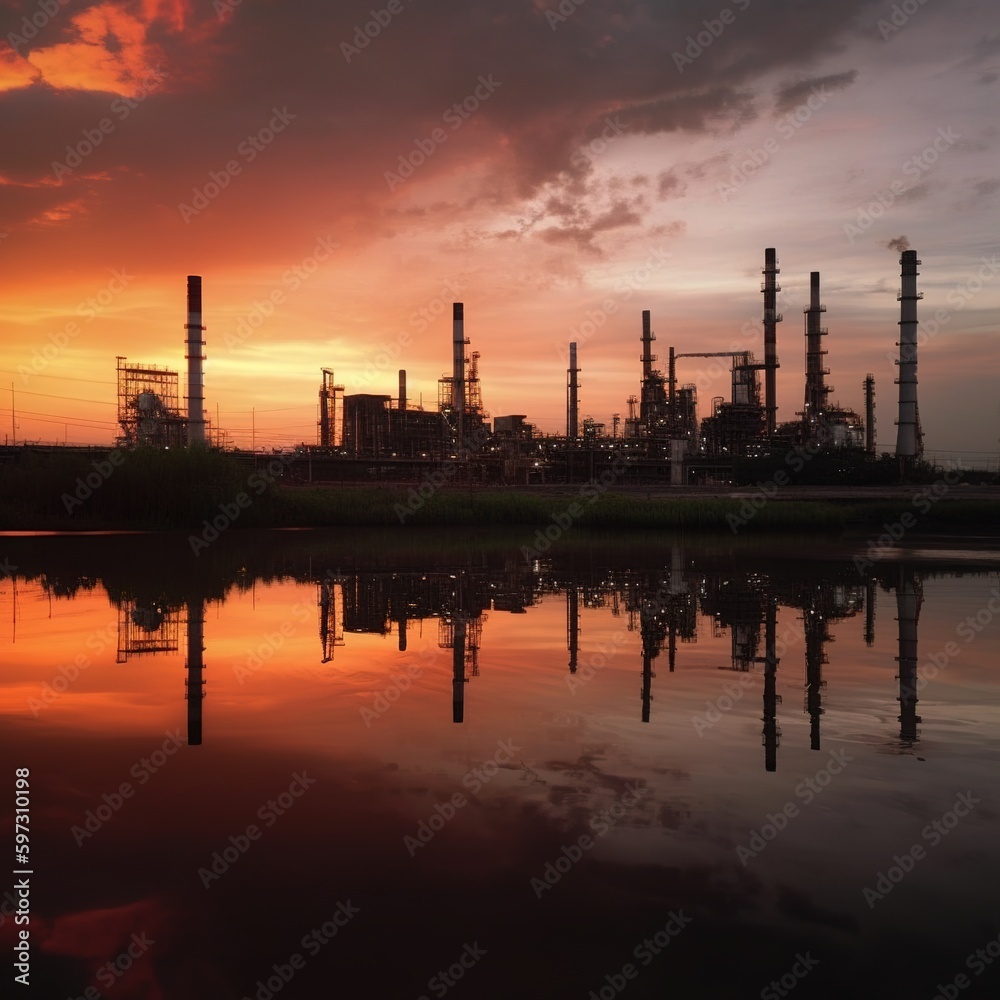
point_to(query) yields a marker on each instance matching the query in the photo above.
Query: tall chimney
(195, 358)
(870, 413)
(817, 391)
(458, 369)
(908, 436)
(647, 346)
(772, 317)
(402, 389)
(572, 396)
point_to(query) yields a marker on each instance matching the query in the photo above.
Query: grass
(160, 490)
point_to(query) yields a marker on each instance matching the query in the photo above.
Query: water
(646, 766)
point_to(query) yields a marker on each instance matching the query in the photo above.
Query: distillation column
(772, 317)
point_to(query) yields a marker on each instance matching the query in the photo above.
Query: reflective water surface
(315, 764)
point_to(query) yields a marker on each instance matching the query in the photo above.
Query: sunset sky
(605, 161)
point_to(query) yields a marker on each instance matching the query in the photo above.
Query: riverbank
(205, 492)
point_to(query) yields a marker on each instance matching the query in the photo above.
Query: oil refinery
(387, 436)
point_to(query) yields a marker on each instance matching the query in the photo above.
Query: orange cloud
(111, 53)
(15, 70)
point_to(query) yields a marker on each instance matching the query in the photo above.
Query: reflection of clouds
(96, 937)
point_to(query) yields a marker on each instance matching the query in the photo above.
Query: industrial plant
(662, 439)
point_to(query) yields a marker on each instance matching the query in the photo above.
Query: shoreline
(848, 511)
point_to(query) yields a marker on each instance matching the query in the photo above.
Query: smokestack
(817, 390)
(870, 413)
(908, 436)
(572, 396)
(647, 347)
(772, 317)
(195, 358)
(402, 389)
(458, 368)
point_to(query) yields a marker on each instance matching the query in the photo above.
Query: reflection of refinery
(778, 620)
(662, 438)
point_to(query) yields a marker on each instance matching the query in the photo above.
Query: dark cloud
(790, 95)
(985, 188)
(359, 109)
(669, 185)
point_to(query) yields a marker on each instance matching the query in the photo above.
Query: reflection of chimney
(816, 636)
(572, 625)
(908, 599)
(195, 358)
(870, 611)
(772, 317)
(771, 733)
(908, 437)
(458, 672)
(195, 665)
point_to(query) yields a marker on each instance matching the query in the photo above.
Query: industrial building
(388, 437)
